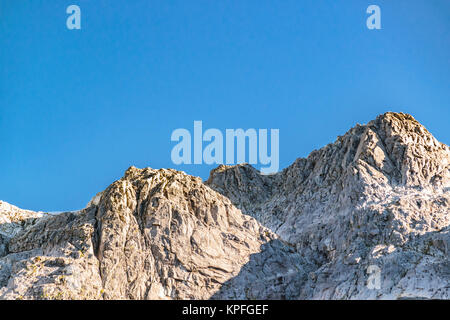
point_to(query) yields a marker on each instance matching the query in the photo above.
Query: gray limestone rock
(366, 217)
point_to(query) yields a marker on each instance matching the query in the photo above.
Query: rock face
(378, 198)
(366, 217)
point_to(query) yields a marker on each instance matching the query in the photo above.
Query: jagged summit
(390, 117)
(377, 197)
(394, 150)
(383, 183)
(394, 145)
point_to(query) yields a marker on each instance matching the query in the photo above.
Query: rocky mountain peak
(377, 197)
(394, 150)
(398, 145)
(386, 182)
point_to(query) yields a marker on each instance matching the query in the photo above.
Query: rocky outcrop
(378, 196)
(13, 220)
(154, 234)
(372, 206)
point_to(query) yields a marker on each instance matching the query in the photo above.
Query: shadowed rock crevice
(280, 272)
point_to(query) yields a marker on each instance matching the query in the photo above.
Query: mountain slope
(154, 234)
(379, 194)
(376, 199)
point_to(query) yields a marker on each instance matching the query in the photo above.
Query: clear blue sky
(78, 107)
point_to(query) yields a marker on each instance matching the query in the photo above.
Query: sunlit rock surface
(375, 199)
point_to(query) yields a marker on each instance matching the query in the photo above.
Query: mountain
(366, 217)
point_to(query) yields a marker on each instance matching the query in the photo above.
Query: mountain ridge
(377, 196)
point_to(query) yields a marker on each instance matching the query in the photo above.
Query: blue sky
(78, 107)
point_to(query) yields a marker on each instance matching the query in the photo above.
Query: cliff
(375, 199)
